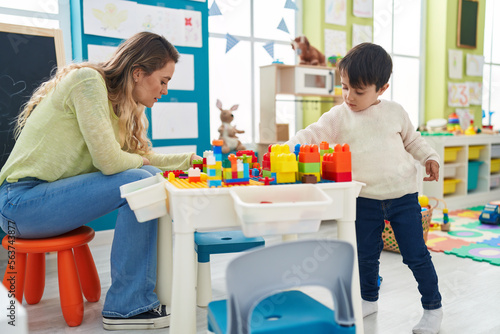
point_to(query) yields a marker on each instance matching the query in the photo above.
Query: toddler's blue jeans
(41, 209)
(405, 216)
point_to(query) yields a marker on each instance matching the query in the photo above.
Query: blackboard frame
(468, 12)
(17, 38)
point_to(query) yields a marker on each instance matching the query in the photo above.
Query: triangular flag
(291, 5)
(214, 10)
(230, 42)
(282, 26)
(270, 48)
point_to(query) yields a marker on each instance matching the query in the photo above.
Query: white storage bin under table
(205, 209)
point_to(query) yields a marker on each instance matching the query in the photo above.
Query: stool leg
(13, 280)
(204, 286)
(35, 278)
(89, 279)
(69, 288)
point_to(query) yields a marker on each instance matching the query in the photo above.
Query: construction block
(309, 153)
(342, 177)
(194, 175)
(214, 183)
(317, 175)
(309, 167)
(307, 178)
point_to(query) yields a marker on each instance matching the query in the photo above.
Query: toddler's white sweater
(383, 142)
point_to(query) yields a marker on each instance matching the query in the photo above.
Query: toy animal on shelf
(308, 54)
(227, 131)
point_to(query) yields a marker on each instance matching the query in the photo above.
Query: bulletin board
(467, 23)
(28, 56)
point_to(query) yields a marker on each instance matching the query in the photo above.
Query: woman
(79, 138)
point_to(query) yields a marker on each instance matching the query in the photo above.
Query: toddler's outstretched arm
(431, 169)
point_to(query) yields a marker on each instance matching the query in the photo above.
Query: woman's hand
(195, 157)
(145, 161)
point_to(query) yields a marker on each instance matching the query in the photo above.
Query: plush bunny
(227, 131)
(308, 54)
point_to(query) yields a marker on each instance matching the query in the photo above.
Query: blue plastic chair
(257, 303)
(208, 243)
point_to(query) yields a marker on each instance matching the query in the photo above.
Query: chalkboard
(467, 23)
(28, 57)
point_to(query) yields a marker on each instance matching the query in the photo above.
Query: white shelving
(298, 81)
(488, 183)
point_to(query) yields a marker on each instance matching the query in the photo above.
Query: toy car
(490, 214)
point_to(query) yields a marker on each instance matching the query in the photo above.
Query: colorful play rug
(467, 238)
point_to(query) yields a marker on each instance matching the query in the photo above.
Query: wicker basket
(390, 243)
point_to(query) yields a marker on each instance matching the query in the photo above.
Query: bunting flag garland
(214, 10)
(269, 47)
(231, 41)
(282, 26)
(291, 5)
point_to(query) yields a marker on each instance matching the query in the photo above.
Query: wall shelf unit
(470, 164)
(300, 81)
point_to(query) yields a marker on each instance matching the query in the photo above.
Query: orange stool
(26, 270)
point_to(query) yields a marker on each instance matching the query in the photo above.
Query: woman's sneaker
(152, 319)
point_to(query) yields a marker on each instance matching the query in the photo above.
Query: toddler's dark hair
(366, 64)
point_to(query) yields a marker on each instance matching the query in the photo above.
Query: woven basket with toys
(390, 243)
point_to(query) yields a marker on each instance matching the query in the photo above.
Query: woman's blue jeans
(406, 220)
(41, 209)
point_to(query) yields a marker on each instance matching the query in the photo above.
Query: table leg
(183, 319)
(346, 231)
(164, 261)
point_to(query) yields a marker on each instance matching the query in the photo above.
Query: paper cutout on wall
(335, 43)
(214, 10)
(169, 120)
(174, 149)
(475, 93)
(183, 78)
(363, 8)
(474, 65)
(270, 48)
(458, 94)
(99, 53)
(282, 26)
(231, 41)
(361, 34)
(336, 12)
(109, 18)
(291, 5)
(455, 64)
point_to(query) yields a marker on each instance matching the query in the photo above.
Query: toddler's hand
(431, 169)
(145, 161)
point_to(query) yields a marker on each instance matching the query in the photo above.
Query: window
(234, 76)
(398, 29)
(52, 14)
(491, 69)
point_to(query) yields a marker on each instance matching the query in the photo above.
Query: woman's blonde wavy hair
(144, 50)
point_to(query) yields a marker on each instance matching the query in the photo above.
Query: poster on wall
(110, 18)
(475, 93)
(336, 12)
(335, 43)
(458, 94)
(361, 34)
(474, 65)
(455, 64)
(363, 8)
(169, 120)
(122, 19)
(100, 53)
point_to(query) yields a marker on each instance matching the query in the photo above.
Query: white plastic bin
(495, 151)
(450, 170)
(279, 209)
(147, 198)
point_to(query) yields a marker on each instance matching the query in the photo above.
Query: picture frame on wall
(468, 11)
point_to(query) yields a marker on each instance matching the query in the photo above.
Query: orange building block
(309, 153)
